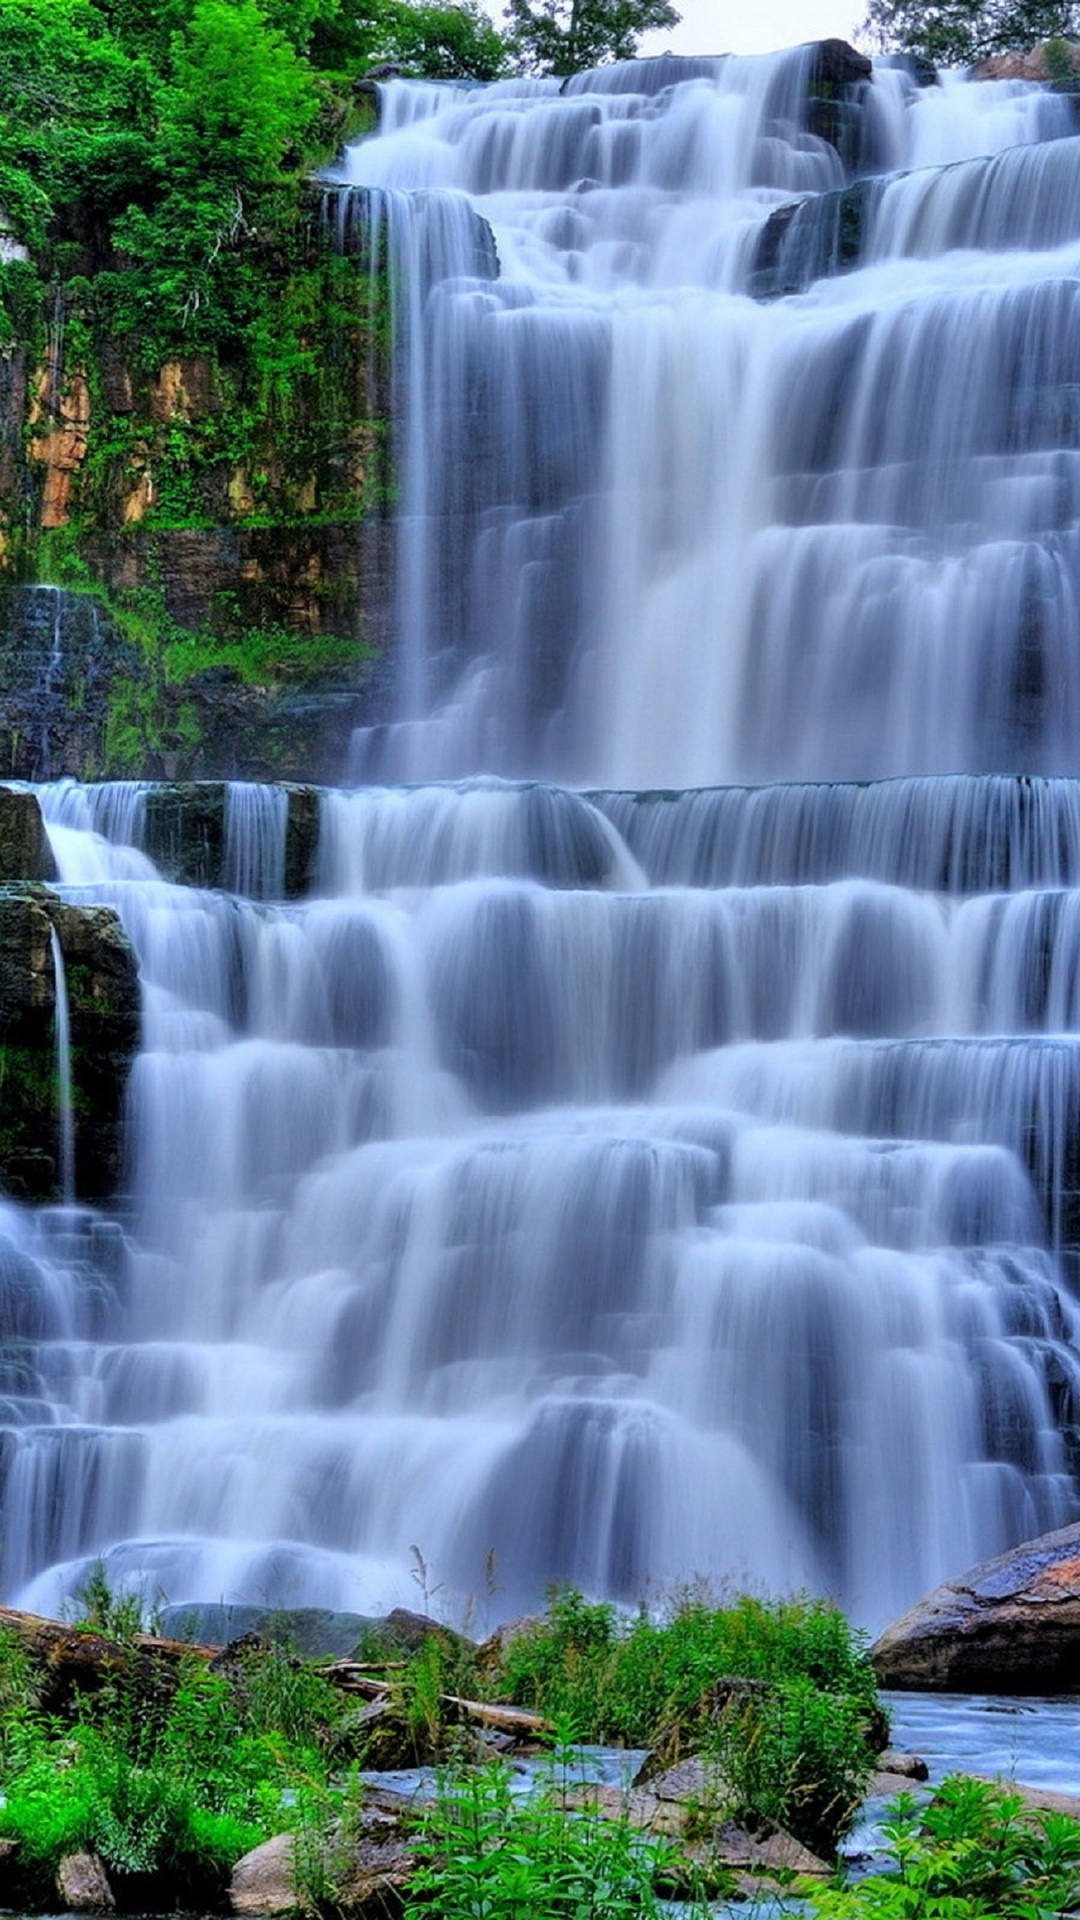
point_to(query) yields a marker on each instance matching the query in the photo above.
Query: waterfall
(697, 542)
(674, 1172)
(65, 1106)
(255, 822)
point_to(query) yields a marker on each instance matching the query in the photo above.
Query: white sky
(734, 26)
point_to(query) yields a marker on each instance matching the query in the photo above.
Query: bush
(488, 1856)
(975, 1853)
(797, 1758)
(799, 1752)
(627, 1681)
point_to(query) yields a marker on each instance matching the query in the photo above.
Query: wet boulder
(1011, 1625)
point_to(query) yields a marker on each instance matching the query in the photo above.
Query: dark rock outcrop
(1011, 1625)
(103, 1007)
(185, 833)
(813, 238)
(66, 676)
(839, 77)
(25, 853)
(78, 699)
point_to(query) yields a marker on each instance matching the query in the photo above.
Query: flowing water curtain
(568, 1220)
(697, 540)
(640, 1184)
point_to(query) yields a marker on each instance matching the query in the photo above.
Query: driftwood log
(80, 1660)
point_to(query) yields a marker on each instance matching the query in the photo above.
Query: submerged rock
(1011, 1625)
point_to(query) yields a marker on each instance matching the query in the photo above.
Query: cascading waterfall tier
(656, 534)
(679, 1175)
(496, 1198)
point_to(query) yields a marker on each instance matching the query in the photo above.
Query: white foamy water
(630, 1232)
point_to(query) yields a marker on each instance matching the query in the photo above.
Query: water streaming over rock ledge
(640, 1184)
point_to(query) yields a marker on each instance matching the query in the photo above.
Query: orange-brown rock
(1011, 1625)
(1033, 64)
(184, 390)
(61, 438)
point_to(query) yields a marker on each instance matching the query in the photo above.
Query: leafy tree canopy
(569, 36)
(240, 98)
(959, 33)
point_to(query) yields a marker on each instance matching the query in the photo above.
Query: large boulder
(1011, 1625)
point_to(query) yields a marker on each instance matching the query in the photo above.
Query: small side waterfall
(65, 1104)
(255, 822)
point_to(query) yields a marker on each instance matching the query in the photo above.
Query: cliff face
(233, 512)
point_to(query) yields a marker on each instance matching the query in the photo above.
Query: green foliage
(568, 36)
(326, 1824)
(796, 1757)
(174, 1776)
(441, 42)
(158, 152)
(20, 1703)
(626, 1681)
(975, 1853)
(288, 1698)
(1058, 59)
(959, 33)
(488, 1856)
(259, 656)
(240, 99)
(124, 1784)
(798, 1751)
(119, 1615)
